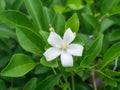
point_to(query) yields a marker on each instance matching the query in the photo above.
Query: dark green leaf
(59, 23)
(91, 20)
(93, 51)
(115, 35)
(41, 16)
(105, 24)
(110, 55)
(49, 82)
(18, 66)
(107, 5)
(31, 84)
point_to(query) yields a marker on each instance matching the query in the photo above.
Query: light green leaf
(73, 23)
(110, 55)
(30, 41)
(53, 63)
(93, 51)
(91, 20)
(75, 4)
(105, 24)
(18, 66)
(44, 35)
(49, 82)
(58, 23)
(16, 18)
(31, 84)
(2, 5)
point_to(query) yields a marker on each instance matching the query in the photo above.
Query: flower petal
(66, 59)
(69, 36)
(55, 40)
(51, 53)
(75, 49)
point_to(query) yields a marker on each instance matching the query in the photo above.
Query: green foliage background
(24, 29)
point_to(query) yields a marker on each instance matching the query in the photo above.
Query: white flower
(63, 48)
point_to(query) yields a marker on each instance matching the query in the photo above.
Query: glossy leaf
(30, 41)
(16, 18)
(58, 23)
(91, 20)
(110, 55)
(31, 84)
(18, 66)
(73, 23)
(49, 82)
(93, 51)
(53, 63)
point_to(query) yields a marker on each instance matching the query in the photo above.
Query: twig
(93, 79)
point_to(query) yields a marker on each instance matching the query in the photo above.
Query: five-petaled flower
(63, 48)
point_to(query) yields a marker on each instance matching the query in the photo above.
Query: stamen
(51, 28)
(64, 46)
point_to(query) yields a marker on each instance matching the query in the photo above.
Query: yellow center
(64, 46)
(51, 29)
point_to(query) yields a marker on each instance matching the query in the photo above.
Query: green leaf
(16, 4)
(16, 18)
(41, 69)
(110, 55)
(58, 23)
(111, 72)
(73, 23)
(6, 32)
(49, 82)
(91, 20)
(44, 35)
(93, 51)
(30, 41)
(75, 4)
(105, 24)
(31, 84)
(53, 63)
(40, 16)
(2, 5)
(18, 66)
(107, 5)
(115, 35)
(110, 82)
(2, 85)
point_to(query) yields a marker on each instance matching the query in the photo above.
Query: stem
(93, 79)
(116, 64)
(73, 81)
(54, 71)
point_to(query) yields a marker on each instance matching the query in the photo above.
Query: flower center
(64, 46)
